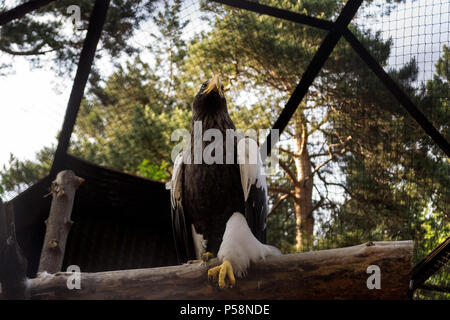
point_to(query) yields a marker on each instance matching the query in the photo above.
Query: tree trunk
(58, 223)
(328, 274)
(303, 189)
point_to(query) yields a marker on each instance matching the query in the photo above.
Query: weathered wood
(58, 223)
(328, 274)
(13, 265)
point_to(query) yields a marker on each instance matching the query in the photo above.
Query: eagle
(220, 208)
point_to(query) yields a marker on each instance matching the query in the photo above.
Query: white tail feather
(240, 247)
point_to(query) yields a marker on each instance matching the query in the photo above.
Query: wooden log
(58, 223)
(13, 265)
(328, 274)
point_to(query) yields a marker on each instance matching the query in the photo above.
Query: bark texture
(303, 187)
(58, 223)
(328, 274)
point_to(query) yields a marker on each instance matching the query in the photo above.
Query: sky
(33, 101)
(31, 112)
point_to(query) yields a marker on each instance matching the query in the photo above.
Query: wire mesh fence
(419, 34)
(353, 165)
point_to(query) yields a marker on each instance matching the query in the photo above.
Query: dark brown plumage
(212, 192)
(209, 194)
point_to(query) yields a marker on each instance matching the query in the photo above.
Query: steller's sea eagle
(219, 209)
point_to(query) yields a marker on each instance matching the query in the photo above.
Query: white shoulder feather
(173, 184)
(250, 165)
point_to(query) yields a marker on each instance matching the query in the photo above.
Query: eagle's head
(210, 98)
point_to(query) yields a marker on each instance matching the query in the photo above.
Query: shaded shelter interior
(121, 221)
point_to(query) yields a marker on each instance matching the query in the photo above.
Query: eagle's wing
(254, 186)
(180, 222)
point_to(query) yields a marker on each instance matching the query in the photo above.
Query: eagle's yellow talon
(207, 256)
(213, 273)
(223, 271)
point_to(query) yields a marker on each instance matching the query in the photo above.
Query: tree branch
(320, 124)
(327, 274)
(279, 202)
(331, 156)
(319, 155)
(32, 52)
(279, 190)
(288, 171)
(22, 10)
(292, 154)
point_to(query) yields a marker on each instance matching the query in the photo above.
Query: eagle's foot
(194, 261)
(221, 272)
(207, 256)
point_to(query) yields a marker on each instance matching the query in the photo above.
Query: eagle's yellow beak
(214, 84)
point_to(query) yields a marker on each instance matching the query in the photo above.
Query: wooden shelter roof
(121, 221)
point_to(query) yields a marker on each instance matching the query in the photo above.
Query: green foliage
(19, 174)
(281, 230)
(134, 124)
(131, 118)
(45, 33)
(154, 172)
(432, 228)
(127, 119)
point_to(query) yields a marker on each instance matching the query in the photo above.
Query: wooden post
(328, 274)
(58, 223)
(13, 265)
